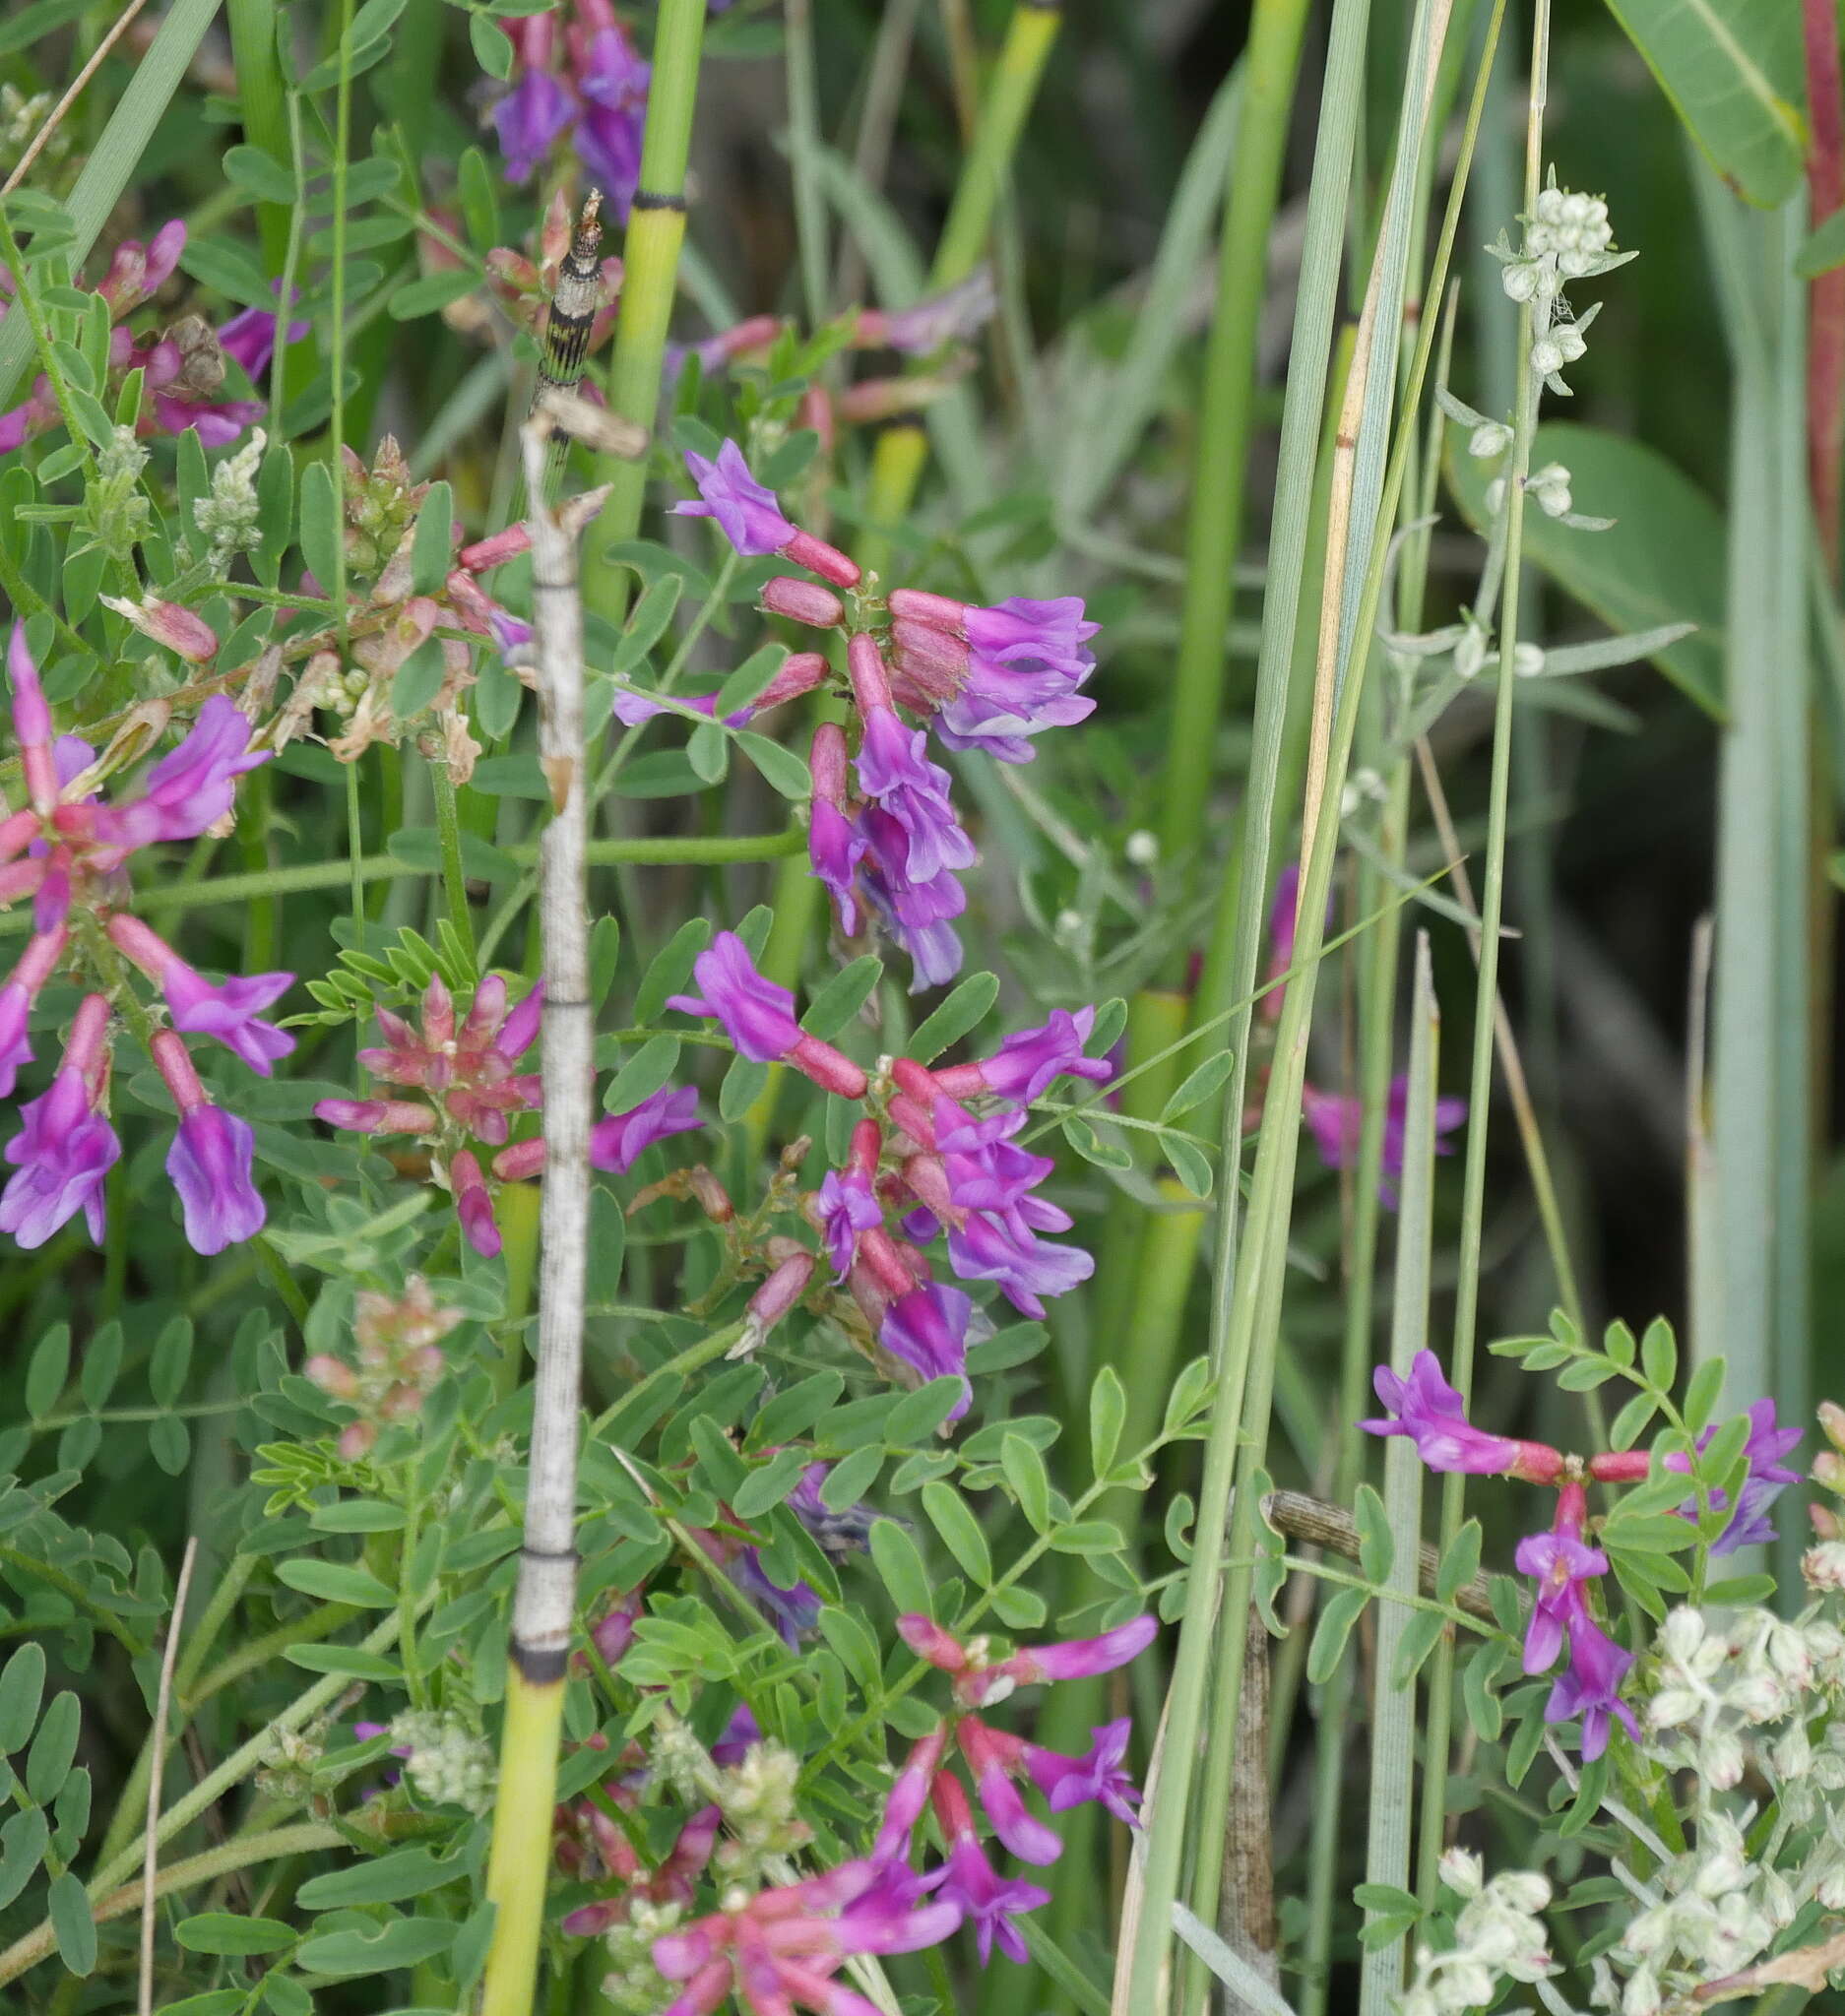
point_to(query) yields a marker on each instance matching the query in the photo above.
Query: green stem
(1248, 1292)
(453, 881)
(651, 259)
(1221, 466)
(804, 141)
(1440, 1717)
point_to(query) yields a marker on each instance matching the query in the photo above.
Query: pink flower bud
(522, 1160)
(802, 601)
(871, 682)
(331, 1375)
(826, 760)
(179, 629)
(802, 671)
(830, 1069)
(495, 548)
(928, 1640)
(377, 1115)
(781, 1292)
(805, 550)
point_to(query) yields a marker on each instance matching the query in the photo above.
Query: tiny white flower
(1471, 651)
(1546, 357)
(1142, 849)
(1721, 1758)
(1493, 438)
(1822, 1567)
(1527, 660)
(1523, 1890)
(1520, 280)
(1640, 1997)
(1683, 1633)
(1461, 1872)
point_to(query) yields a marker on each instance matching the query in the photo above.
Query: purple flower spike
(1067, 1782)
(836, 845)
(746, 513)
(529, 118)
(1590, 1686)
(988, 1248)
(64, 1149)
(1030, 1060)
(757, 1014)
(1427, 1410)
(847, 1207)
(616, 1143)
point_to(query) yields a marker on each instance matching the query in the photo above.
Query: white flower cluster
(1498, 1938)
(448, 1764)
(760, 1801)
(1566, 237)
(228, 517)
(117, 508)
(1718, 1908)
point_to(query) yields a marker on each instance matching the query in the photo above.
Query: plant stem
(1486, 998)
(453, 881)
(545, 1603)
(262, 109)
(1221, 466)
(651, 260)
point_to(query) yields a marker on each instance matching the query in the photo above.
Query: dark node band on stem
(649, 199)
(541, 1665)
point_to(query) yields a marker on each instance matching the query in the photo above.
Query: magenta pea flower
(923, 328)
(210, 1159)
(1028, 1061)
(928, 1329)
(1427, 1410)
(993, 678)
(1589, 1686)
(1097, 1775)
(991, 1759)
(915, 913)
(65, 1147)
(846, 1206)
(1563, 1564)
(1749, 1525)
(617, 1141)
(37, 965)
(529, 120)
(748, 516)
(1335, 1119)
(977, 1680)
(229, 1010)
(758, 1016)
(612, 81)
(970, 1883)
(780, 1949)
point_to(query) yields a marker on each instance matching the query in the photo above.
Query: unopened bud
(781, 1292)
(802, 601)
(189, 635)
(1461, 1872)
(1832, 1420)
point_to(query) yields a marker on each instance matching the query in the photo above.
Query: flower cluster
(1498, 1938)
(884, 836)
(1566, 237)
(473, 1091)
(67, 848)
(1562, 1561)
(399, 1342)
(586, 81)
(182, 369)
(779, 1948)
(920, 1154)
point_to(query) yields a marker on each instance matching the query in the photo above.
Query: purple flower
(988, 1248)
(1749, 1525)
(190, 787)
(209, 1159)
(794, 1613)
(997, 675)
(613, 84)
(631, 709)
(915, 913)
(529, 118)
(847, 1207)
(1336, 1119)
(739, 1732)
(968, 1880)
(840, 1533)
(1561, 1563)
(757, 1014)
(989, 1756)
(1427, 1410)
(64, 1149)
(1028, 1062)
(1590, 1685)
(893, 767)
(37, 965)
(836, 845)
(928, 1329)
(747, 514)
(1077, 1659)
(250, 338)
(922, 328)
(1067, 1782)
(229, 1012)
(614, 1143)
